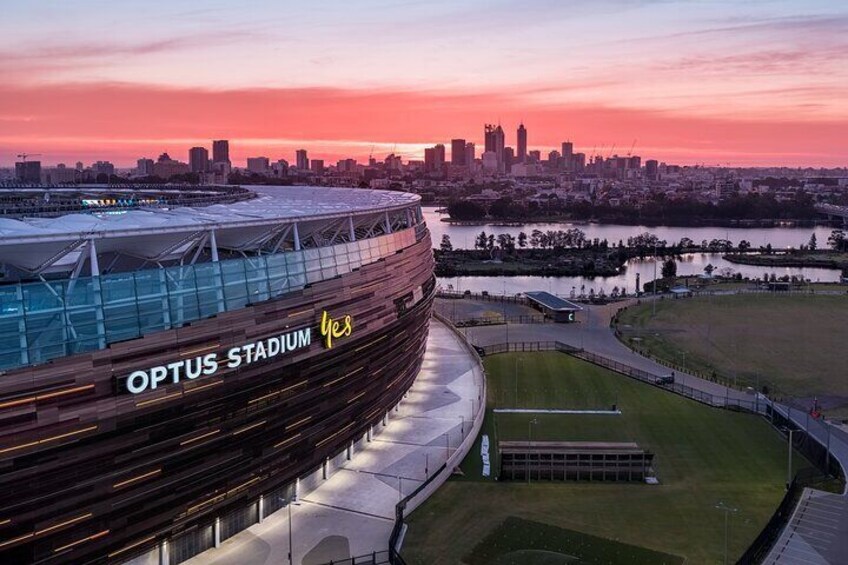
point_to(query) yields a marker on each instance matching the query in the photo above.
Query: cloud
(42, 60)
(764, 61)
(125, 121)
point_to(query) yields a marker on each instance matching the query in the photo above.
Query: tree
(744, 245)
(464, 211)
(446, 245)
(522, 240)
(480, 241)
(813, 243)
(669, 269)
(708, 270)
(837, 240)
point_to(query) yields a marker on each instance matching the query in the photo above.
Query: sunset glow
(690, 82)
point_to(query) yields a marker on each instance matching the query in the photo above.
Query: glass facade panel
(40, 321)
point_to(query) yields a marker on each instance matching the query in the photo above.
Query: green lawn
(793, 344)
(703, 456)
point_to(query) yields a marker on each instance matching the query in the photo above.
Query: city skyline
(708, 83)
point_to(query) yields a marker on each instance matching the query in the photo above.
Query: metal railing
(373, 558)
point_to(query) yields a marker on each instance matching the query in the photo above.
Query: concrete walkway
(817, 533)
(352, 512)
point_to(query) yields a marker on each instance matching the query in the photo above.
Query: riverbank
(648, 222)
(569, 263)
(802, 259)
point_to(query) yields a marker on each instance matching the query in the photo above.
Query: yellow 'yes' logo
(332, 329)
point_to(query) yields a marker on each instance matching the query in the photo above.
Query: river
(690, 264)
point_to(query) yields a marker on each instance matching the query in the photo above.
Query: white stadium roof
(155, 234)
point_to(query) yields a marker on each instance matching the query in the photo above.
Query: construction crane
(611, 150)
(632, 145)
(23, 156)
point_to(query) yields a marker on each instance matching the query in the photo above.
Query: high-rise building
(221, 151)
(165, 167)
(317, 166)
(534, 156)
(490, 161)
(651, 169)
(103, 168)
(440, 157)
(553, 159)
(521, 157)
(578, 162)
(567, 161)
(346, 166)
(28, 171)
(281, 168)
(494, 140)
(429, 159)
(508, 159)
(635, 162)
(79, 166)
(144, 167)
(258, 165)
(198, 159)
(302, 160)
(469, 154)
(458, 152)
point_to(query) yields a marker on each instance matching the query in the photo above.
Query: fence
(441, 474)
(816, 449)
(375, 558)
(500, 320)
(763, 543)
(755, 405)
(394, 539)
(483, 296)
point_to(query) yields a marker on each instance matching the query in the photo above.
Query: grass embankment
(703, 456)
(794, 344)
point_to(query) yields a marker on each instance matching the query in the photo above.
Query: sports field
(704, 456)
(794, 344)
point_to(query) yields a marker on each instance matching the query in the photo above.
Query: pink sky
(691, 83)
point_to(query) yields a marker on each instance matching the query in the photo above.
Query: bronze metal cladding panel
(88, 469)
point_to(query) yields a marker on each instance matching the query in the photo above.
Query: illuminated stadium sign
(209, 364)
(332, 329)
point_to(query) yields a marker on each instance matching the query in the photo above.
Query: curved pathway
(352, 512)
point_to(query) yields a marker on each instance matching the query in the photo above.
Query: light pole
(727, 510)
(517, 360)
(789, 464)
(291, 546)
(532, 422)
(654, 301)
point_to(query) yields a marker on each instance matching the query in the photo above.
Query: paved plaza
(352, 512)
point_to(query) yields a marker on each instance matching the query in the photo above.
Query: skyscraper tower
(522, 144)
(198, 159)
(494, 138)
(302, 160)
(458, 152)
(221, 151)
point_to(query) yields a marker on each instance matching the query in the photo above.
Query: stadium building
(175, 367)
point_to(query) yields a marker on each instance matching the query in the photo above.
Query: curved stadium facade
(172, 370)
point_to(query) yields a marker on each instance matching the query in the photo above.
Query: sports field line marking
(555, 411)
